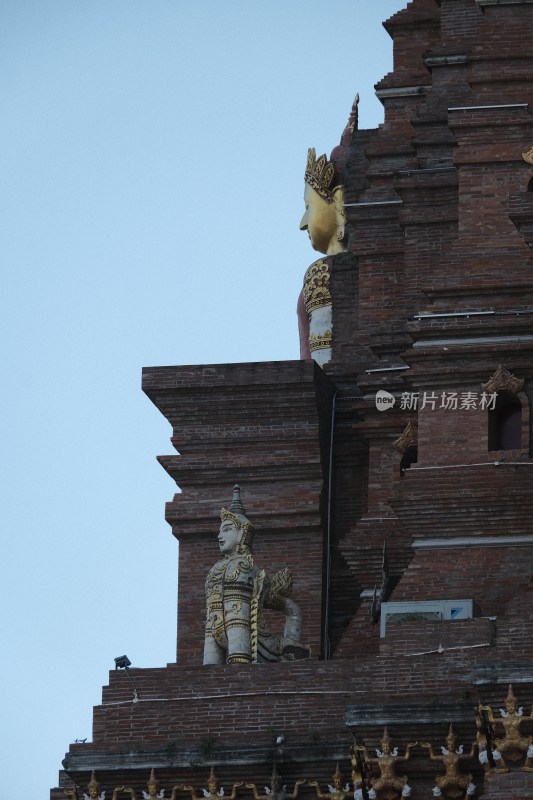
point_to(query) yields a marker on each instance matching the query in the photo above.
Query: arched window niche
(508, 420)
(409, 457)
(506, 423)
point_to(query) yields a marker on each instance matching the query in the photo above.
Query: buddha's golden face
(319, 220)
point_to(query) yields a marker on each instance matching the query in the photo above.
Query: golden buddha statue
(325, 222)
(323, 218)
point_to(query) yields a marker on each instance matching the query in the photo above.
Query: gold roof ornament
(353, 120)
(408, 437)
(528, 155)
(503, 381)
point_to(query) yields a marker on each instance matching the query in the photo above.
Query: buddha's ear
(338, 200)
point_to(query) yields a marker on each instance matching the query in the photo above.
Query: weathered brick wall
(440, 223)
(517, 784)
(266, 427)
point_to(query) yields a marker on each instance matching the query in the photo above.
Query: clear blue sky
(152, 157)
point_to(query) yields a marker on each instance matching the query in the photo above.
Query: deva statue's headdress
(152, 780)
(324, 176)
(93, 783)
(451, 739)
(236, 514)
(319, 175)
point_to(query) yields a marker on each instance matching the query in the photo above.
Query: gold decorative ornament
(512, 746)
(453, 783)
(320, 341)
(319, 174)
(408, 438)
(316, 291)
(503, 381)
(353, 119)
(316, 286)
(528, 155)
(389, 785)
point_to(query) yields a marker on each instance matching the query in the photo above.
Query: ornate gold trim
(255, 612)
(504, 381)
(320, 341)
(238, 658)
(528, 155)
(319, 174)
(408, 438)
(316, 286)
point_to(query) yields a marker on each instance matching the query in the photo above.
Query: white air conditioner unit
(425, 609)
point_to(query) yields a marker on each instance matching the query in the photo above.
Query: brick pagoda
(407, 526)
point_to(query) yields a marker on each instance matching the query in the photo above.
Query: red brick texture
(435, 291)
(265, 427)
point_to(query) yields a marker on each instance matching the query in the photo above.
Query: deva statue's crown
(320, 174)
(237, 515)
